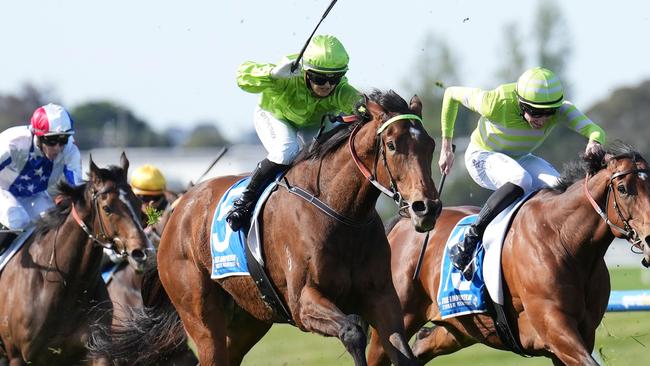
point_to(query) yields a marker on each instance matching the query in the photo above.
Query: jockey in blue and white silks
(32, 161)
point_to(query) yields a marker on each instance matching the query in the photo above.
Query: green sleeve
(579, 122)
(347, 97)
(471, 98)
(255, 78)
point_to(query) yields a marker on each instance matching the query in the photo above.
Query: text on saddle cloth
(227, 246)
(457, 296)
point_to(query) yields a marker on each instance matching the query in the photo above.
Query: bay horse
(552, 263)
(329, 269)
(125, 285)
(51, 290)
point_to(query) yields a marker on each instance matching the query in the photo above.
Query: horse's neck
(337, 180)
(582, 232)
(74, 254)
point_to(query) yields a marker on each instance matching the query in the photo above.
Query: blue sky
(173, 62)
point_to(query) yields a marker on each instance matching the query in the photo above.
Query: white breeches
(491, 170)
(18, 212)
(281, 140)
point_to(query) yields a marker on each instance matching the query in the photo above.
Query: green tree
(205, 134)
(106, 124)
(16, 110)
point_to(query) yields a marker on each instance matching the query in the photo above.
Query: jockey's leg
(243, 206)
(461, 253)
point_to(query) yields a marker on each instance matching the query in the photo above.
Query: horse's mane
(576, 170)
(55, 216)
(331, 140)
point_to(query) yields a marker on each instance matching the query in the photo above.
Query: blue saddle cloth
(457, 296)
(227, 246)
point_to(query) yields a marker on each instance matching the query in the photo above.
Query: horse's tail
(146, 336)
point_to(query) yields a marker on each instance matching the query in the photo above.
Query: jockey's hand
(283, 70)
(446, 156)
(593, 148)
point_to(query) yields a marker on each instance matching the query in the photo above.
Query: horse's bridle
(628, 232)
(103, 239)
(393, 192)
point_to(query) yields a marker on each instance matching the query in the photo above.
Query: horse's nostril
(138, 255)
(419, 206)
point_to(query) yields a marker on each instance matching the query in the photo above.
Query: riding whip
(219, 155)
(418, 266)
(295, 64)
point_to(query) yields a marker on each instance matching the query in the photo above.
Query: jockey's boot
(240, 214)
(462, 253)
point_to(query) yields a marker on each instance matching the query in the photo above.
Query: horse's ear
(416, 105)
(124, 162)
(93, 169)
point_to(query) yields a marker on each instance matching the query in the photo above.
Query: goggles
(53, 140)
(149, 198)
(537, 112)
(321, 79)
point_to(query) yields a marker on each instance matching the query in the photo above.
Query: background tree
(17, 110)
(106, 124)
(205, 134)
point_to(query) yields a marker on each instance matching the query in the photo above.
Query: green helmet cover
(325, 54)
(540, 88)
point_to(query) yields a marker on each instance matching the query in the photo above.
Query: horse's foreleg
(319, 315)
(243, 333)
(560, 334)
(431, 342)
(385, 315)
(376, 354)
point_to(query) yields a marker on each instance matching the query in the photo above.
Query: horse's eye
(390, 145)
(107, 209)
(621, 189)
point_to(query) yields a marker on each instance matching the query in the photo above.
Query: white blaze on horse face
(415, 132)
(134, 216)
(643, 176)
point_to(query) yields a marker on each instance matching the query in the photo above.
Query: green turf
(622, 339)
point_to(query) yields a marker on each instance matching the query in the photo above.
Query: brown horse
(325, 267)
(51, 290)
(124, 287)
(552, 263)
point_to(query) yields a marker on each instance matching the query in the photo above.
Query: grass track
(622, 339)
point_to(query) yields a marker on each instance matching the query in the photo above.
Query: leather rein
(102, 239)
(391, 192)
(628, 232)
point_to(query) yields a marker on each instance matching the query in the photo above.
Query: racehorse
(51, 290)
(124, 287)
(329, 269)
(552, 263)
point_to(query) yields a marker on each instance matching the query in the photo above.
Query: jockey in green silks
(290, 109)
(515, 119)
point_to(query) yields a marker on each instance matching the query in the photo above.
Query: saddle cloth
(457, 296)
(227, 246)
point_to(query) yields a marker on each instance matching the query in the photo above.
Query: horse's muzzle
(424, 214)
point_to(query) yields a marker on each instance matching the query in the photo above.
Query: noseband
(393, 192)
(103, 239)
(627, 231)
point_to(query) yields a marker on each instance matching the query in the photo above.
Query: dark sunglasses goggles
(537, 112)
(321, 79)
(146, 198)
(53, 140)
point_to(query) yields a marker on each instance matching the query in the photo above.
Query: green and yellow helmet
(540, 88)
(147, 180)
(326, 55)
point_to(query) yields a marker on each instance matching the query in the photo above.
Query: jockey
(32, 161)
(149, 184)
(290, 109)
(515, 119)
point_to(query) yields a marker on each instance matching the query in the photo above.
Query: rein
(102, 239)
(628, 232)
(393, 193)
